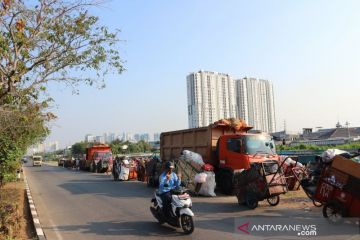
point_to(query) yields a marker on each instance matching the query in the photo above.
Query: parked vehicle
(24, 159)
(181, 214)
(98, 159)
(337, 188)
(229, 149)
(37, 161)
(61, 161)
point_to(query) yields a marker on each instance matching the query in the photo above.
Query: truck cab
(235, 153)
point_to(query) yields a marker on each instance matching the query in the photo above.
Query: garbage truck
(230, 146)
(98, 159)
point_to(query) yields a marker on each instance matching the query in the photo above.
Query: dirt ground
(14, 194)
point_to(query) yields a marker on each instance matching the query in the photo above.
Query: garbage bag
(200, 178)
(192, 156)
(290, 162)
(208, 187)
(329, 154)
(124, 173)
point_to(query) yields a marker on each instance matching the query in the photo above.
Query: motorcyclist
(168, 180)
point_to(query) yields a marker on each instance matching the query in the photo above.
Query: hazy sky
(310, 50)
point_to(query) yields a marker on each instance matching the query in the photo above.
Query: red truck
(98, 159)
(229, 149)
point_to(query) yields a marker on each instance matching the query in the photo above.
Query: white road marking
(55, 229)
(36, 220)
(39, 232)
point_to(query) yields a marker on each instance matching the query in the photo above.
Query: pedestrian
(77, 164)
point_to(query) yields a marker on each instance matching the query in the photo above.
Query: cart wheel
(273, 200)
(333, 211)
(251, 200)
(317, 204)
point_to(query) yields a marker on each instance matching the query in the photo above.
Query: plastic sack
(192, 156)
(329, 154)
(290, 162)
(208, 187)
(200, 178)
(124, 173)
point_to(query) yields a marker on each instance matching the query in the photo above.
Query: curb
(39, 231)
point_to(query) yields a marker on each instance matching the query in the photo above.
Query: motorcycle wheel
(187, 224)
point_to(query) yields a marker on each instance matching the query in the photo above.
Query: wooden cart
(264, 180)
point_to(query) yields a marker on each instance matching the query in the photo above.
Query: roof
(332, 133)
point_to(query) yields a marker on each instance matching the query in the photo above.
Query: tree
(44, 41)
(49, 41)
(79, 148)
(19, 128)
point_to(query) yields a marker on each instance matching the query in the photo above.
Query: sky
(309, 50)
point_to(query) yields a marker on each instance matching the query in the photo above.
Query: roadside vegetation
(44, 42)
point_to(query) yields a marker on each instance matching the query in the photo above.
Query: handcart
(308, 177)
(338, 189)
(263, 180)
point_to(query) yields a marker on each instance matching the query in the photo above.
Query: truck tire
(251, 200)
(226, 181)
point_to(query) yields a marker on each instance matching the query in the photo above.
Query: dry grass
(15, 219)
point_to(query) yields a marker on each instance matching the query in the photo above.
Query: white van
(37, 160)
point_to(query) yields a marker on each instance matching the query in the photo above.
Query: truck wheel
(226, 183)
(334, 212)
(251, 200)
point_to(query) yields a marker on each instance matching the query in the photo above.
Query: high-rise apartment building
(211, 96)
(255, 103)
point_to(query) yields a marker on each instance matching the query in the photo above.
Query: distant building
(156, 137)
(331, 136)
(100, 139)
(137, 137)
(53, 146)
(126, 136)
(109, 137)
(255, 103)
(211, 96)
(145, 137)
(285, 136)
(89, 138)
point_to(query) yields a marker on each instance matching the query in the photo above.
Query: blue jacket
(172, 183)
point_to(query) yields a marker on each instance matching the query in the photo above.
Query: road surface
(81, 205)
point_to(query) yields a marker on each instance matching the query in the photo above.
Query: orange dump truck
(98, 158)
(229, 147)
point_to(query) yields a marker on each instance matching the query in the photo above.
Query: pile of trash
(234, 123)
(199, 176)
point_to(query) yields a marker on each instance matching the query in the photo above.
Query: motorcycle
(180, 214)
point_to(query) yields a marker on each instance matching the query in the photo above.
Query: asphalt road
(81, 205)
